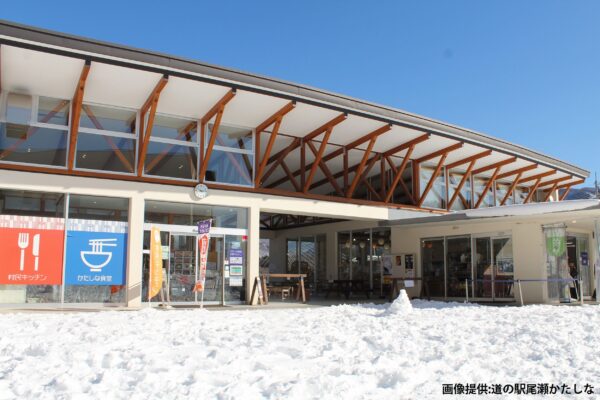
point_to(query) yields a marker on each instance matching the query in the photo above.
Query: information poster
(32, 250)
(95, 258)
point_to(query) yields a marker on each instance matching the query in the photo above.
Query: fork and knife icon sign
(23, 242)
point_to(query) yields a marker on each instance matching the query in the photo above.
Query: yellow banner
(156, 273)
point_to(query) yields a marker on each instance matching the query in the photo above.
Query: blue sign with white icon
(95, 258)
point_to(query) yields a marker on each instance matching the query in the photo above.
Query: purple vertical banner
(203, 242)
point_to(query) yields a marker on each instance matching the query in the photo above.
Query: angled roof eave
(34, 37)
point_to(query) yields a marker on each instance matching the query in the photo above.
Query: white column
(134, 251)
(253, 262)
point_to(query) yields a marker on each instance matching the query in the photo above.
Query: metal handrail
(518, 282)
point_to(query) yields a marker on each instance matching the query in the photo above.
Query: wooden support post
(150, 105)
(76, 114)
(399, 172)
(465, 177)
(487, 187)
(217, 112)
(436, 173)
(359, 170)
(317, 161)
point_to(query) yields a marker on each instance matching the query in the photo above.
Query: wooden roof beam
(556, 181)
(406, 145)
(442, 152)
(470, 159)
(276, 119)
(327, 125)
(494, 166)
(76, 113)
(150, 105)
(516, 171)
(216, 111)
(487, 187)
(540, 176)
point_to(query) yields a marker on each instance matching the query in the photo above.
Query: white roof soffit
(514, 210)
(193, 87)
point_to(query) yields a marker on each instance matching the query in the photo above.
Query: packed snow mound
(401, 305)
(350, 352)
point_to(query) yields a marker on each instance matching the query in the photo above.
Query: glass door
(494, 268)
(182, 269)
(504, 270)
(432, 254)
(483, 268)
(213, 284)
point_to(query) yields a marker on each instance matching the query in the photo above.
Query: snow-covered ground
(349, 351)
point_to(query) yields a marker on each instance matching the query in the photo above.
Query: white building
(100, 142)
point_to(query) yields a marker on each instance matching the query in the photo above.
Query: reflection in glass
(436, 197)
(33, 144)
(232, 137)
(501, 192)
(432, 254)
(169, 127)
(479, 185)
(231, 168)
(173, 161)
(344, 255)
(108, 118)
(463, 200)
(458, 264)
(105, 153)
(189, 214)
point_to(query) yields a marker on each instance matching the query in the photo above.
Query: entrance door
(494, 268)
(213, 286)
(579, 264)
(183, 268)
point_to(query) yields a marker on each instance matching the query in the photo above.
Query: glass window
(436, 197)
(168, 127)
(53, 111)
(106, 139)
(520, 195)
(463, 199)
(173, 148)
(96, 249)
(18, 108)
(344, 255)
(229, 167)
(31, 243)
(501, 191)
(479, 185)
(41, 140)
(108, 119)
(160, 212)
(232, 158)
(105, 153)
(232, 137)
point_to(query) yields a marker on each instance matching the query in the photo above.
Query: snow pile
(349, 352)
(401, 305)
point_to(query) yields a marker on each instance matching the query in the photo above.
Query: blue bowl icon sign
(98, 258)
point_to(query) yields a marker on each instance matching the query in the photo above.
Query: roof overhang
(123, 76)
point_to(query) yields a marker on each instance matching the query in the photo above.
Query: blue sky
(525, 71)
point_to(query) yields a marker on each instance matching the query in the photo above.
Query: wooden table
(300, 292)
(396, 290)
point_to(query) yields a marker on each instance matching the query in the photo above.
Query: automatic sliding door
(504, 271)
(483, 268)
(213, 285)
(182, 270)
(432, 251)
(458, 264)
